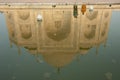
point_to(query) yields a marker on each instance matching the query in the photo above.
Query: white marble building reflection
(59, 36)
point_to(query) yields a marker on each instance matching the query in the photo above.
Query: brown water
(60, 47)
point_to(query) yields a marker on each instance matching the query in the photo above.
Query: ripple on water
(108, 75)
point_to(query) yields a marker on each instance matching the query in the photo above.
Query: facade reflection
(59, 36)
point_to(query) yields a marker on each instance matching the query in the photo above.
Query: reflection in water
(59, 36)
(25, 30)
(57, 26)
(92, 15)
(90, 33)
(24, 15)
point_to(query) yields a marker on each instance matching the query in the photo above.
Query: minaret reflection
(59, 36)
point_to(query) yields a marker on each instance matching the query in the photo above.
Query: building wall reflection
(59, 36)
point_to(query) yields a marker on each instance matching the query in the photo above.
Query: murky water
(60, 46)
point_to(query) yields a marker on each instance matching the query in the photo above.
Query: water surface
(60, 47)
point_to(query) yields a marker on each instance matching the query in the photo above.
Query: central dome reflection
(59, 36)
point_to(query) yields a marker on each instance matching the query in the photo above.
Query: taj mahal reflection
(59, 36)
